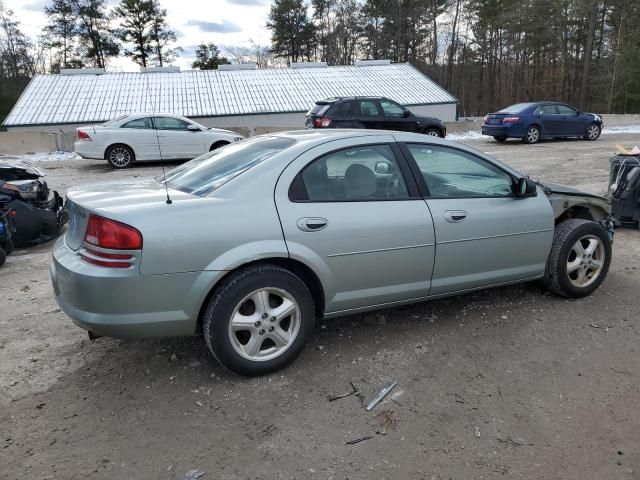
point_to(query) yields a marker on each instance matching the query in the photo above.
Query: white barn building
(239, 97)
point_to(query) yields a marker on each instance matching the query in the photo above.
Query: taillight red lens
(106, 233)
(510, 119)
(322, 122)
(83, 135)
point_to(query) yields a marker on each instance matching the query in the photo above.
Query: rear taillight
(105, 233)
(83, 135)
(510, 119)
(322, 122)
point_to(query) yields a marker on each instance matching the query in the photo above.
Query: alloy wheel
(585, 261)
(264, 324)
(432, 133)
(593, 132)
(533, 135)
(120, 157)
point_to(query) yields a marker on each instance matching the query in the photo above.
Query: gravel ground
(511, 382)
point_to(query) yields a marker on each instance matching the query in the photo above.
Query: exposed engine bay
(37, 213)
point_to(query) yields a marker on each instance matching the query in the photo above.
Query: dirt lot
(512, 382)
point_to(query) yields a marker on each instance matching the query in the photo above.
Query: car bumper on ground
(122, 303)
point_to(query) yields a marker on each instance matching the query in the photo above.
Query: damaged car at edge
(249, 244)
(37, 213)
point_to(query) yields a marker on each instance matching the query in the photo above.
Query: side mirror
(406, 113)
(384, 168)
(525, 188)
(194, 128)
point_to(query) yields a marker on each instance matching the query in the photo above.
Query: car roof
(329, 100)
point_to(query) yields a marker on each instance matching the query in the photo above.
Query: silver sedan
(249, 244)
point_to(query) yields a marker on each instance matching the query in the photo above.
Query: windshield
(516, 108)
(210, 171)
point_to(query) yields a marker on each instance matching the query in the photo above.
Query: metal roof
(60, 99)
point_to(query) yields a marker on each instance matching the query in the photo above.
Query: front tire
(593, 132)
(579, 259)
(432, 132)
(120, 156)
(259, 320)
(532, 135)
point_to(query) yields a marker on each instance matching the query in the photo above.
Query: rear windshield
(210, 171)
(319, 109)
(516, 108)
(113, 120)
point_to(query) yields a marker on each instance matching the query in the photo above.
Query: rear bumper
(510, 130)
(88, 149)
(122, 303)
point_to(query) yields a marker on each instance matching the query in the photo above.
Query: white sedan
(144, 136)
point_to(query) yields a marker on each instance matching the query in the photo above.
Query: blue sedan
(533, 121)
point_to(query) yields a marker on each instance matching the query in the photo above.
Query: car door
(549, 120)
(176, 140)
(395, 117)
(350, 209)
(570, 122)
(370, 114)
(139, 135)
(485, 235)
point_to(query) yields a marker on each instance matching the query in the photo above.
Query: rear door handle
(455, 216)
(312, 224)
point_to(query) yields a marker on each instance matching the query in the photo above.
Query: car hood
(222, 130)
(15, 169)
(550, 187)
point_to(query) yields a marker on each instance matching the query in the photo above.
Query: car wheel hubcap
(432, 134)
(532, 135)
(593, 132)
(120, 157)
(264, 324)
(586, 260)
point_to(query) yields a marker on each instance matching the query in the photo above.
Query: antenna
(164, 180)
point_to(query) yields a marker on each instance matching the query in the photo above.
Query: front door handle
(312, 224)
(455, 216)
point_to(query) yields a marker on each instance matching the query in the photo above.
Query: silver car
(250, 243)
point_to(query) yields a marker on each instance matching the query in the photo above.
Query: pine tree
(136, 32)
(161, 37)
(97, 43)
(292, 32)
(208, 57)
(62, 29)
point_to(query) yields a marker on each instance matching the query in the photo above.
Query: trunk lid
(112, 200)
(496, 118)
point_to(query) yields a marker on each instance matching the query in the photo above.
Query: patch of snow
(469, 135)
(621, 129)
(45, 157)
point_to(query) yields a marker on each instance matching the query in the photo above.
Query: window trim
(413, 191)
(422, 184)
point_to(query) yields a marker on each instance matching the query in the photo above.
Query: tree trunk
(586, 65)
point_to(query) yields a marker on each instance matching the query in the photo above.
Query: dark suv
(370, 112)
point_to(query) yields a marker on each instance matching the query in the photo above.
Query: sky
(223, 22)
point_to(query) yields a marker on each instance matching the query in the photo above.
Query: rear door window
(547, 110)
(139, 123)
(343, 109)
(369, 108)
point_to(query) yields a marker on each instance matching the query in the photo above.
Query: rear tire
(3, 257)
(593, 132)
(579, 259)
(217, 145)
(532, 135)
(120, 156)
(500, 139)
(244, 328)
